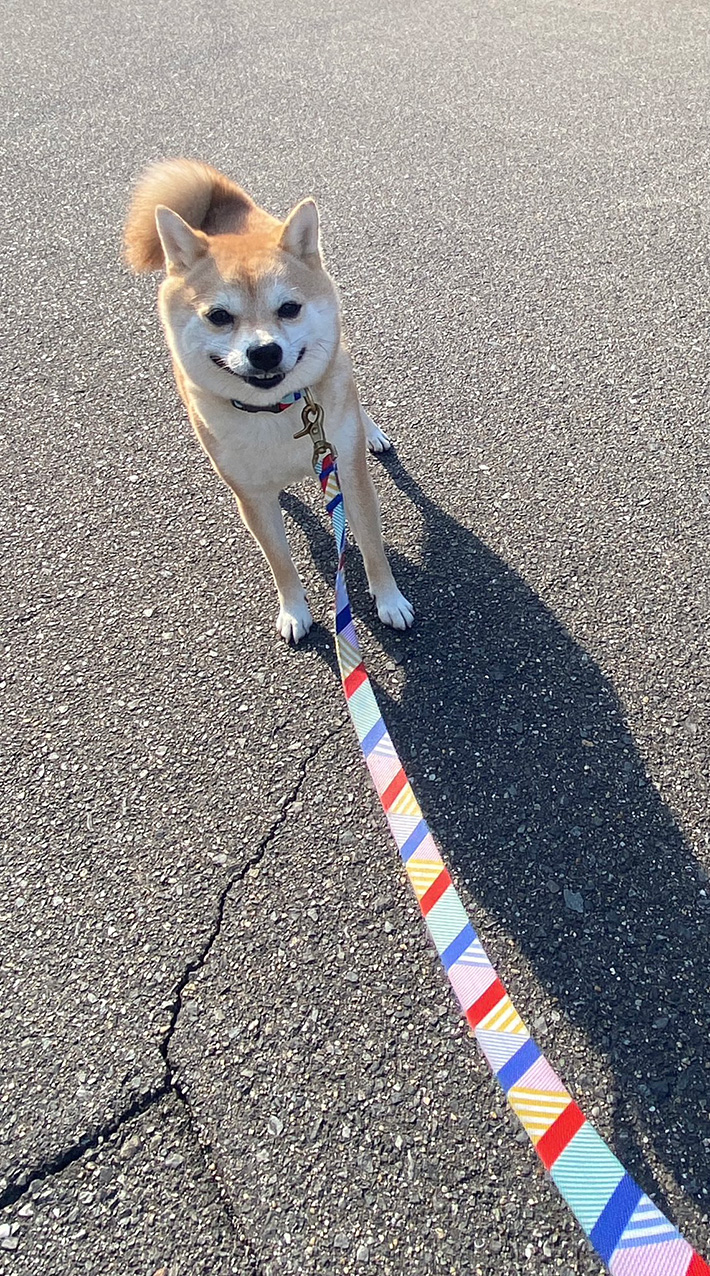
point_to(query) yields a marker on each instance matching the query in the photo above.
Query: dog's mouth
(264, 383)
(267, 381)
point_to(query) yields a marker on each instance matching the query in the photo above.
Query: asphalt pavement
(226, 1045)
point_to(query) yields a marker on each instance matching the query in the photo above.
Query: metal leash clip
(313, 418)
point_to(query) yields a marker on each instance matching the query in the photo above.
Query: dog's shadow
(517, 748)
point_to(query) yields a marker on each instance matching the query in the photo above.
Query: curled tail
(204, 198)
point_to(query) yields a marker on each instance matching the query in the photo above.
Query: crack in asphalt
(194, 967)
(51, 1166)
(86, 1142)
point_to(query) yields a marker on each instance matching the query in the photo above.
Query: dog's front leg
(363, 513)
(262, 515)
(377, 440)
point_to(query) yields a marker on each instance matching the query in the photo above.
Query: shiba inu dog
(252, 318)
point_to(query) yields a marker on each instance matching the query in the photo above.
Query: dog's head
(250, 316)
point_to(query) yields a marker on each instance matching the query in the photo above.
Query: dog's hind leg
(377, 440)
(262, 515)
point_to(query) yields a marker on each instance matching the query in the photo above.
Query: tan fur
(223, 253)
(204, 198)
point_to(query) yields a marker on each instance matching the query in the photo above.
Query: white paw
(394, 609)
(294, 621)
(377, 440)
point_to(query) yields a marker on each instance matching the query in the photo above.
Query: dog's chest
(255, 450)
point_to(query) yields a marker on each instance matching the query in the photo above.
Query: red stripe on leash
(561, 1132)
(485, 1003)
(435, 891)
(355, 680)
(698, 1267)
(394, 788)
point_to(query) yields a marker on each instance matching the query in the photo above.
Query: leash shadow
(518, 750)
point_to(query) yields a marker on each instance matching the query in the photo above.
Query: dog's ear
(182, 245)
(301, 232)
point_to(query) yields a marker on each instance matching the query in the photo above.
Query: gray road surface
(226, 1045)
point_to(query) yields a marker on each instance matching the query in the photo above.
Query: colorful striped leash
(627, 1230)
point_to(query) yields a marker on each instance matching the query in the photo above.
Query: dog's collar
(281, 406)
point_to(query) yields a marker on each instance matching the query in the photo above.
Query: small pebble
(574, 901)
(363, 1254)
(129, 1148)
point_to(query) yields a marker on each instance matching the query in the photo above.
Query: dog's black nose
(265, 357)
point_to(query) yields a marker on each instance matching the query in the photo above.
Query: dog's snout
(265, 357)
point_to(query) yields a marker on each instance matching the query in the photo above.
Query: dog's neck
(281, 406)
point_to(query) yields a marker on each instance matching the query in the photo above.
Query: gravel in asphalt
(144, 1202)
(515, 202)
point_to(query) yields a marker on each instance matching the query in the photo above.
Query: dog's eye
(289, 310)
(219, 317)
